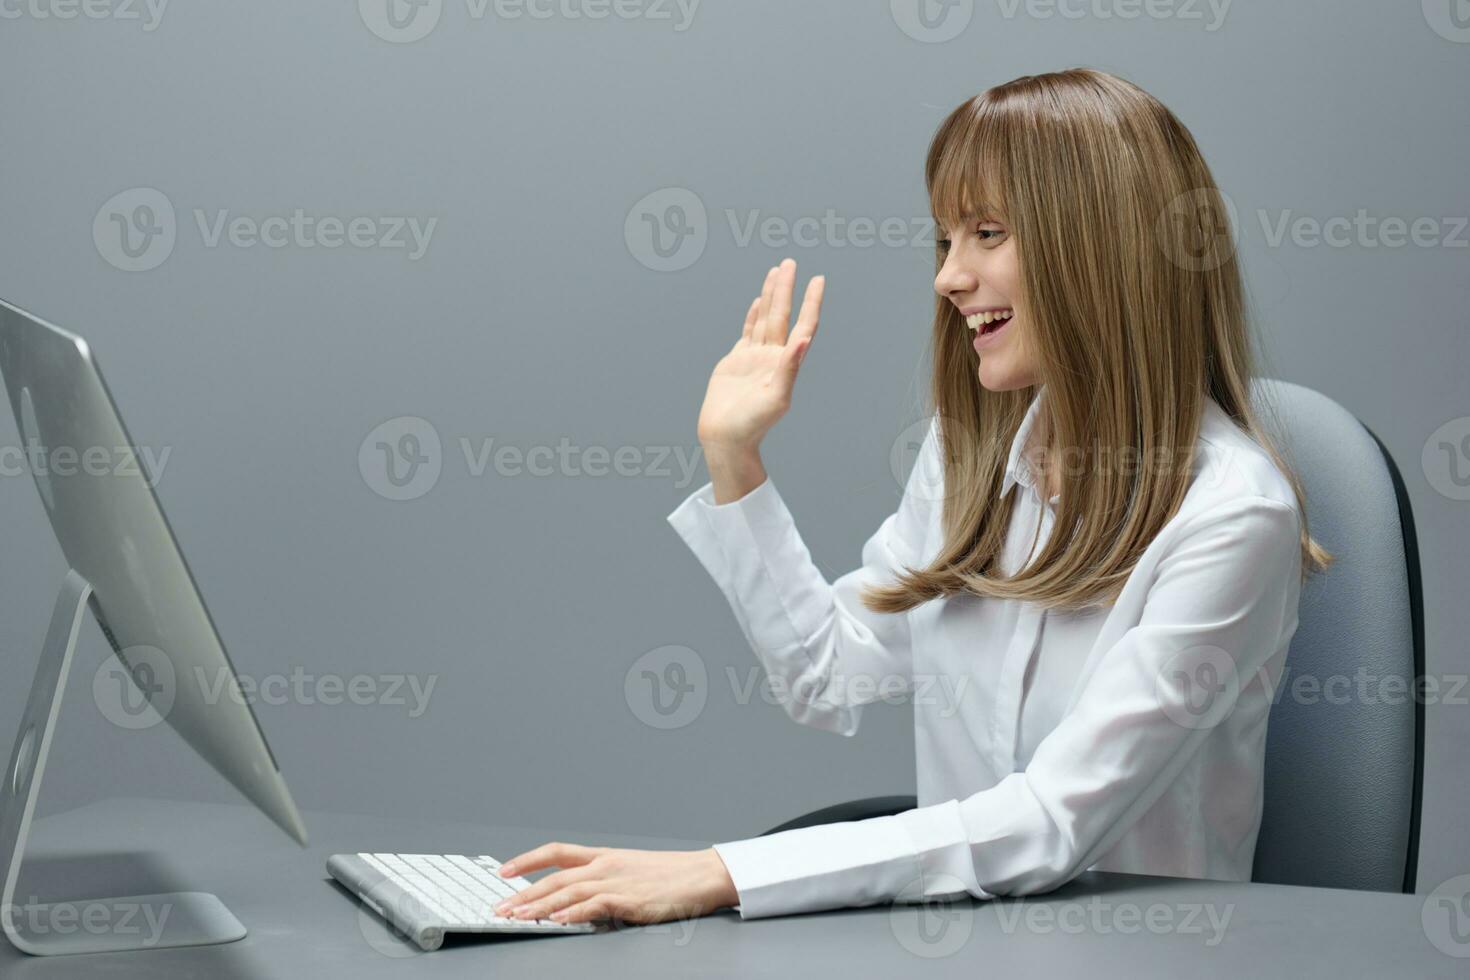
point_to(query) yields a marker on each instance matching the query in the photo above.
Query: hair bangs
(969, 168)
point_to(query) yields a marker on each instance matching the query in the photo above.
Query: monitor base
(111, 925)
(92, 925)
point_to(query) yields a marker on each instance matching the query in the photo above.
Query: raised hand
(750, 388)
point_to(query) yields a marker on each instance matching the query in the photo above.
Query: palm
(750, 388)
(747, 392)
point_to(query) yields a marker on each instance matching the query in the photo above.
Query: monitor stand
(93, 925)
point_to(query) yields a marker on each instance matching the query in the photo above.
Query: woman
(1097, 540)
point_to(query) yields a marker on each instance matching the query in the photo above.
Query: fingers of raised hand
(779, 315)
(768, 291)
(751, 318)
(811, 310)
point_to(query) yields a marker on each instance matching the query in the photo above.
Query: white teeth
(978, 320)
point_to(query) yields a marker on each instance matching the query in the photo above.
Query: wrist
(723, 893)
(730, 449)
(734, 472)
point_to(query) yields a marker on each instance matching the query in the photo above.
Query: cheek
(1008, 276)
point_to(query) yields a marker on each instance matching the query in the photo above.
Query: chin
(1002, 377)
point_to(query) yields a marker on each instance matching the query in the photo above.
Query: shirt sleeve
(825, 653)
(1222, 604)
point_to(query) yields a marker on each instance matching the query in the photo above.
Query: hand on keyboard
(629, 885)
(459, 891)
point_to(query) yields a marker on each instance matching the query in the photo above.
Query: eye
(943, 244)
(989, 234)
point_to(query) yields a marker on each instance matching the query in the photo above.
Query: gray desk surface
(302, 925)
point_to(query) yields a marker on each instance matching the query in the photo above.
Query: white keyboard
(463, 891)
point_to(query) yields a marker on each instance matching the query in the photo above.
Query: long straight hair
(1134, 313)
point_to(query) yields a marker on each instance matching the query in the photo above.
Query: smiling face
(981, 276)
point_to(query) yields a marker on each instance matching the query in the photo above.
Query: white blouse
(1123, 737)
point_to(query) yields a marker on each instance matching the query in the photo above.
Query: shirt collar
(1018, 469)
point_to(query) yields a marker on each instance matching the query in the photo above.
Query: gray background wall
(538, 313)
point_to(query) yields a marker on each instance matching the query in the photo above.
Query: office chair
(1344, 777)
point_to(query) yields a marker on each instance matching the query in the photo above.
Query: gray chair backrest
(1344, 748)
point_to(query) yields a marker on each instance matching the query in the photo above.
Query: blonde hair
(1134, 312)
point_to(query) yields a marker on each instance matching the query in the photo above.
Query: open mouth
(988, 322)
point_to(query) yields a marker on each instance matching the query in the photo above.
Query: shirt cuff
(940, 838)
(809, 869)
(751, 547)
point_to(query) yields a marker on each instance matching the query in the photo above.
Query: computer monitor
(128, 570)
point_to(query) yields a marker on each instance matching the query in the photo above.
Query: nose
(954, 279)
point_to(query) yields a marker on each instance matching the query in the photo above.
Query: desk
(303, 925)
